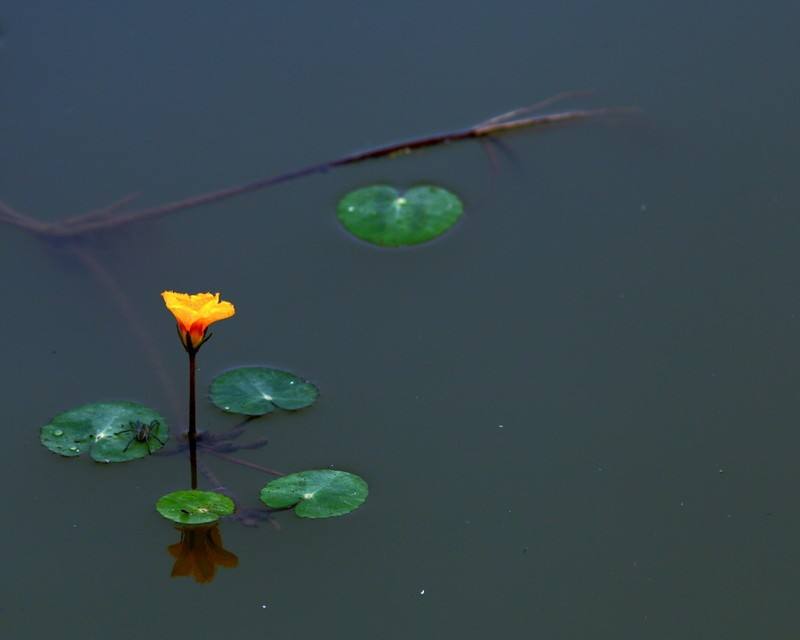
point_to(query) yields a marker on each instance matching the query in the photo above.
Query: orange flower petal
(195, 312)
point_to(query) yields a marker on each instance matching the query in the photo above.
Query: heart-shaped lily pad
(254, 391)
(322, 493)
(194, 507)
(382, 215)
(109, 431)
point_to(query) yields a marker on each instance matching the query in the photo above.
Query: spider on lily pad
(142, 432)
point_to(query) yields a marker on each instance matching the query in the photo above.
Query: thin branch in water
(496, 144)
(240, 428)
(97, 269)
(14, 217)
(213, 480)
(103, 219)
(542, 104)
(256, 444)
(244, 463)
(102, 212)
(491, 156)
(86, 224)
(248, 516)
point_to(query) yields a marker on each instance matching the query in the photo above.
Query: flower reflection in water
(200, 552)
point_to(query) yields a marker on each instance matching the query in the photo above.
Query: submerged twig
(17, 219)
(515, 113)
(103, 219)
(216, 484)
(244, 463)
(103, 275)
(103, 212)
(240, 428)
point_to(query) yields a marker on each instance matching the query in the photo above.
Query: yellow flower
(194, 313)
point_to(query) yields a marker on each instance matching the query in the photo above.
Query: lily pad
(322, 493)
(254, 391)
(107, 430)
(194, 507)
(382, 215)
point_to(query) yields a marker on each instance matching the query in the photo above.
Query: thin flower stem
(245, 463)
(192, 423)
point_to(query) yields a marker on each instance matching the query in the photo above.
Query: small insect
(141, 433)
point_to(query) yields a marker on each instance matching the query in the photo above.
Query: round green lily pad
(194, 507)
(254, 391)
(322, 493)
(109, 431)
(382, 215)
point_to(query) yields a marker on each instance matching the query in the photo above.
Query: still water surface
(577, 411)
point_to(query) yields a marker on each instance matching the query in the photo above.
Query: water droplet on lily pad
(381, 215)
(110, 431)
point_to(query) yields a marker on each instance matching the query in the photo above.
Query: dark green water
(625, 303)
